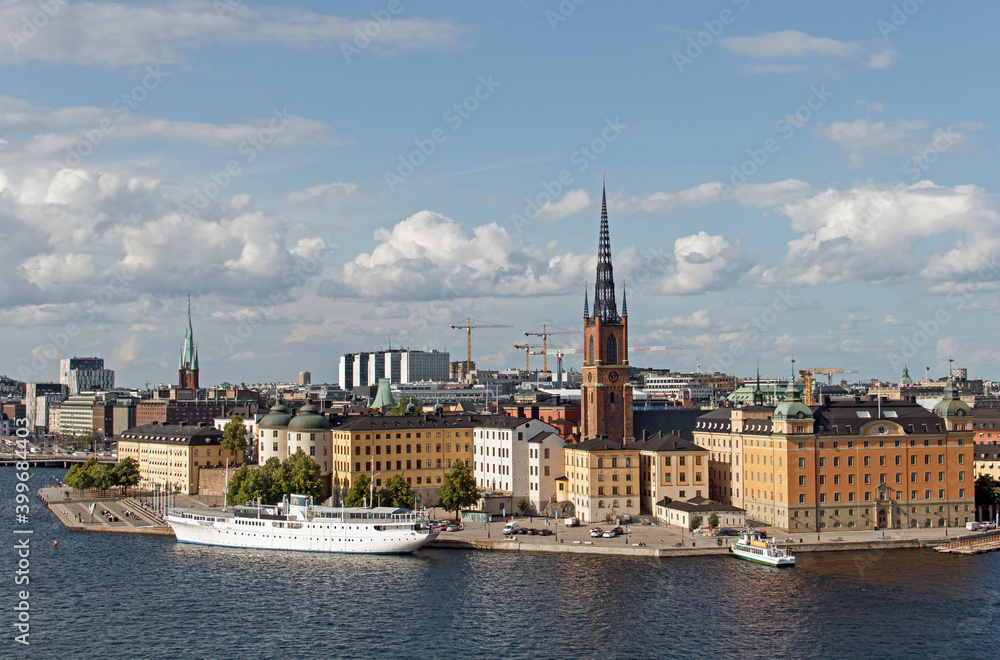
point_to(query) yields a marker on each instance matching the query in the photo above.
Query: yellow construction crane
(527, 351)
(807, 380)
(545, 334)
(468, 339)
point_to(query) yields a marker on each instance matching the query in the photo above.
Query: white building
(398, 365)
(85, 374)
(680, 388)
(505, 461)
(76, 415)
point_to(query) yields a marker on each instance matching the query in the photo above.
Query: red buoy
(54, 544)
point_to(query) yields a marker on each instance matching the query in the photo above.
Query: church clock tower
(606, 393)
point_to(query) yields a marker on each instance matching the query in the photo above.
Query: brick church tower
(606, 393)
(187, 376)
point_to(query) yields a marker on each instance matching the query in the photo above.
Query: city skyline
(782, 181)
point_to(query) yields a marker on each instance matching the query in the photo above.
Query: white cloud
(789, 51)
(324, 192)
(111, 34)
(573, 202)
(703, 263)
(871, 233)
(429, 256)
(751, 194)
(891, 320)
(864, 138)
(699, 318)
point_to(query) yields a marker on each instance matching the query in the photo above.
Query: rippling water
(125, 596)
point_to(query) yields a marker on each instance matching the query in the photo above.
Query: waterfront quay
(72, 509)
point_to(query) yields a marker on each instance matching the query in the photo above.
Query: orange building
(850, 464)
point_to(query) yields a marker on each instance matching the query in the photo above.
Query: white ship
(295, 524)
(754, 546)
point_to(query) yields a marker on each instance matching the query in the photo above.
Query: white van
(972, 526)
(511, 528)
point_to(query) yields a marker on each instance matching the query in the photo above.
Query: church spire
(624, 303)
(605, 306)
(586, 304)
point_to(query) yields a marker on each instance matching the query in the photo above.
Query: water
(125, 596)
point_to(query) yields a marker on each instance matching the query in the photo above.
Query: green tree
(79, 476)
(987, 492)
(125, 473)
(266, 482)
(458, 491)
(100, 476)
(359, 491)
(396, 492)
(403, 404)
(713, 520)
(88, 440)
(234, 435)
(522, 505)
(239, 486)
(695, 522)
(301, 475)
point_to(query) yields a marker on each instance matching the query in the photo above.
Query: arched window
(600, 504)
(600, 463)
(628, 503)
(611, 355)
(614, 505)
(612, 397)
(592, 356)
(614, 462)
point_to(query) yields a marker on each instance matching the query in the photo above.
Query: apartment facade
(171, 455)
(602, 479)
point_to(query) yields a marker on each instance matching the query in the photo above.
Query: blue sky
(784, 180)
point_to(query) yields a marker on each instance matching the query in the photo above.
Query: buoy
(55, 543)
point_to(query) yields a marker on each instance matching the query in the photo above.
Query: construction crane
(545, 334)
(527, 348)
(468, 339)
(807, 380)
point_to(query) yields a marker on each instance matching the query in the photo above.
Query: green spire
(189, 352)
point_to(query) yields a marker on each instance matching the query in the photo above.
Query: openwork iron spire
(586, 304)
(605, 306)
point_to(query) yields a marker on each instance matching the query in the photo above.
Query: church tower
(606, 393)
(187, 377)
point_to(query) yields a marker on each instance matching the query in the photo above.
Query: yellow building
(672, 468)
(171, 455)
(603, 479)
(987, 459)
(851, 464)
(420, 447)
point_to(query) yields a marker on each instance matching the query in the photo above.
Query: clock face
(613, 377)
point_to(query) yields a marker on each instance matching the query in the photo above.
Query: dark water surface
(127, 596)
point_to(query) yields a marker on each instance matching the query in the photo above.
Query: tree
(359, 491)
(396, 493)
(88, 440)
(234, 435)
(713, 520)
(522, 505)
(80, 477)
(987, 493)
(403, 404)
(266, 482)
(695, 522)
(125, 473)
(459, 489)
(100, 475)
(301, 475)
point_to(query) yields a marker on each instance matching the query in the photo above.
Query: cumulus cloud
(573, 202)
(703, 263)
(112, 34)
(430, 256)
(696, 319)
(871, 233)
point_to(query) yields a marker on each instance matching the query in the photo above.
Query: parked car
(596, 532)
(725, 531)
(531, 531)
(613, 532)
(511, 528)
(987, 526)
(545, 532)
(452, 527)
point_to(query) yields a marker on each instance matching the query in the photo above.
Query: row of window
(614, 490)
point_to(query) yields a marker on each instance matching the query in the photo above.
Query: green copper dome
(309, 419)
(276, 418)
(952, 405)
(792, 407)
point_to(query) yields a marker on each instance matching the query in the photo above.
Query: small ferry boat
(296, 524)
(755, 546)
